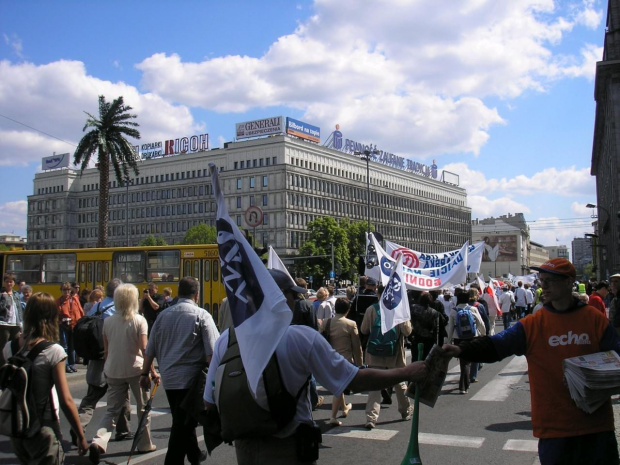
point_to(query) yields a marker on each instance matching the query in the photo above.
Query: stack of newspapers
(593, 378)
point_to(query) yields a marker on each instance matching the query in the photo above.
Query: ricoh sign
(190, 144)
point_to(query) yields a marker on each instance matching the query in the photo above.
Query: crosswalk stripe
(521, 445)
(449, 440)
(154, 412)
(498, 389)
(376, 434)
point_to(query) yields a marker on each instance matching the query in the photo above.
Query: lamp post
(606, 224)
(365, 155)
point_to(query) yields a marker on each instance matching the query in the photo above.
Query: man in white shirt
(520, 300)
(506, 301)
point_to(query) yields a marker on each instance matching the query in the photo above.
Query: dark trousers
(464, 379)
(593, 449)
(66, 339)
(183, 439)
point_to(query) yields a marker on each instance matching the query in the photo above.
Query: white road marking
(449, 440)
(154, 412)
(376, 434)
(498, 389)
(521, 445)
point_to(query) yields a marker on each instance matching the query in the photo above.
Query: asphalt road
(489, 424)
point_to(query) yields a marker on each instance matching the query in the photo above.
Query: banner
(393, 302)
(528, 278)
(452, 273)
(274, 263)
(414, 259)
(258, 308)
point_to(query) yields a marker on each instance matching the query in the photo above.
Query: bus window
(197, 269)
(82, 272)
(216, 269)
(129, 267)
(187, 268)
(98, 272)
(207, 276)
(89, 273)
(106, 272)
(163, 265)
(25, 267)
(58, 268)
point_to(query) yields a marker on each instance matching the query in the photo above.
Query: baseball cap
(559, 266)
(285, 283)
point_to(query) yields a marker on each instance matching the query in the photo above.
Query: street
(491, 423)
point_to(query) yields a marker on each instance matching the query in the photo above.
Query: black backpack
(241, 416)
(88, 335)
(19, 417)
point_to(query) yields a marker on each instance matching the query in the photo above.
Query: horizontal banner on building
(260, 127)
(303, 130)
(55, 161)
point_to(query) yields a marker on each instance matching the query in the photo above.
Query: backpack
(88, 335)
(465, 324)
(19, 416)
(241, 415)
(382, 345)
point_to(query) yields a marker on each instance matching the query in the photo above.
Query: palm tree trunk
(104, 192)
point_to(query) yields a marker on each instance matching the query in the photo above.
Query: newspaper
(592, 379)
(430, 388)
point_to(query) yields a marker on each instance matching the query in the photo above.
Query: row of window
(50, 190)
(252, 182)
(255, 163)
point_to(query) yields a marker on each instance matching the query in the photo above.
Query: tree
(108, 140)
(152, 240)
(200, 234)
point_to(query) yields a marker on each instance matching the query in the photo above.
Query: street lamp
(365, 155)
(606, 224)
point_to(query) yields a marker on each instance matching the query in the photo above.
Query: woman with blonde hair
(342, 335)
(124, 339)
(40, 324)
(323, 309)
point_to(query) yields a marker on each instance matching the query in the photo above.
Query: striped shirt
(182, 338)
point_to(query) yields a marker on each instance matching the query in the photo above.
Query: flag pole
(412, 456)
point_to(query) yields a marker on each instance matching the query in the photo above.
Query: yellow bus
(46, 270)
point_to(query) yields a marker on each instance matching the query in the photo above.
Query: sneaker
(146, 451)
(94, 453)
(473, 381)
(124, 436)
(334, 422)
(461, 391)
(369, 425)
(408, 414)
(73, 369)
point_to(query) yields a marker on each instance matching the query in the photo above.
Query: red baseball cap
(559, 266)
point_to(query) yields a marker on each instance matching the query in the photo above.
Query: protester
(124, 339)
(493, 310)
(428, 325)
(342, 335)
(300, 352)
(303, 313)
(182, 340)
(506, 302)
(10, 312)
(598, 295)
(70, 312)
(373, 405)
(152, 303)
(556, 332)
(26, 292)
(41, 324)
(95, 378)
(95, 296)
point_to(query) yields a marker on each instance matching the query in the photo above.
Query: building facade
(557, 251)
(291, 181)
(605, 148)
(538, 254)
(581, 253)
(507, 244)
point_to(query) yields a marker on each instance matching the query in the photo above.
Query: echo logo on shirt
(570, 338)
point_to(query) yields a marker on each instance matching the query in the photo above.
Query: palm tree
(108, 140)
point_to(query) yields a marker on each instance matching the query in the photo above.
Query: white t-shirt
(302, 351)
(124, 357)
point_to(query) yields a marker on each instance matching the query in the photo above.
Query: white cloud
(15, 43)
(482, 207)
(53, 98)
(13, 217)
(557, 231)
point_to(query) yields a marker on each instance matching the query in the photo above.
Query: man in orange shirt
(598, 296)
(563, 328)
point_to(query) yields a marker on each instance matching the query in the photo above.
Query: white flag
(258, 308)
(274, 263)
(414, 259)
(393, 302)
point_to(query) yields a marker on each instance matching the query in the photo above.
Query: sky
(500, 93)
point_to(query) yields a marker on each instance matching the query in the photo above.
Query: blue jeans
(593, 449)
(473, 371)
(66, 340)
(507, 319)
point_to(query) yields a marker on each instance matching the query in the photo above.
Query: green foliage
(107, 138)
(152, 240)
(200, 234)
(348, 240)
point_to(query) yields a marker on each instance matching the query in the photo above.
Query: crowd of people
(155, 338)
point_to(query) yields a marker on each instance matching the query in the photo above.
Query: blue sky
(501, 93)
